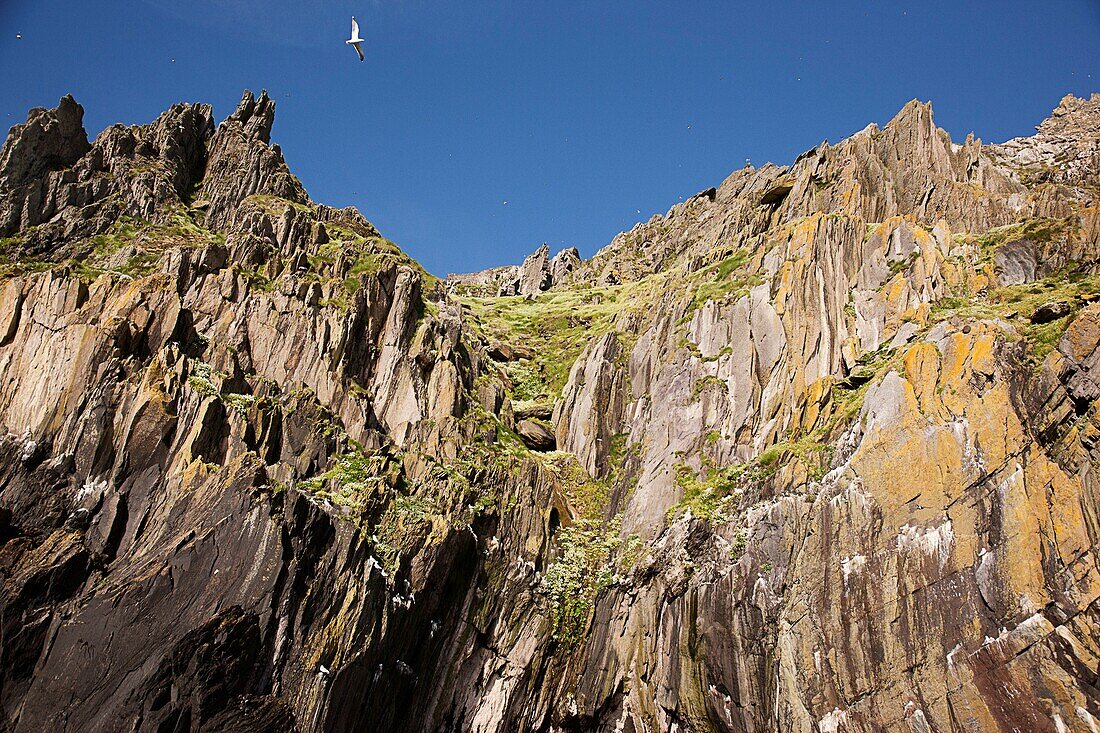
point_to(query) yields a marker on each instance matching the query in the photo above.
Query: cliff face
(812, 452)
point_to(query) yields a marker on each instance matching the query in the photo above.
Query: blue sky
(584, 116)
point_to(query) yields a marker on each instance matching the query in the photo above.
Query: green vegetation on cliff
(557, 325)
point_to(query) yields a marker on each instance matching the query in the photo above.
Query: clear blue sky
(579, 114)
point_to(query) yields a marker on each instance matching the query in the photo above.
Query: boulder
(1052, 311)
(543, 412)
(1016, 263)
(535, 435)
(499, 351)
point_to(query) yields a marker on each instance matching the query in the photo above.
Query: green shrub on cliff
(584, 565)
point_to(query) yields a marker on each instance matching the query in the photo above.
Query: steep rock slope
(824, 448)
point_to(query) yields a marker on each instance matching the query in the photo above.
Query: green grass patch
(355, 477)
(726, 279)
(1018, 302)
(711, 494)
(557, 325)
(202, 378)
(527, 383)
(1037, 230)
(704, 383)
(739, 544)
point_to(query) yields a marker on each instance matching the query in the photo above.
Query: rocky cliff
(811, 452)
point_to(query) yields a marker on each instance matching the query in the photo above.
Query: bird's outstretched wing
(354, 29)
(359, 51)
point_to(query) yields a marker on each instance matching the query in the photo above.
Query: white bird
(355, 40)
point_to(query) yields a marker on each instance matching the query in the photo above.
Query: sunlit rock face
(811, 452)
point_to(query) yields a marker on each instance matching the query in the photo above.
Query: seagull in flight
(355, 40)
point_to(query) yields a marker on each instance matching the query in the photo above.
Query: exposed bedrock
(810, 452)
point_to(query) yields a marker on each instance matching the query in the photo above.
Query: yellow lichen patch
(803, 232)
(953, 421)
(813, 401)
(980, 280)
(917, 314)
(1059, 496)
(895, 290)
(925, 241)
(1017, 558)
(956, 356)
(922, 369)
(982, 359)
(851, 197)
(955, 275)
(897, 428)
(783, 291)
(1083, 335)
(940, 423)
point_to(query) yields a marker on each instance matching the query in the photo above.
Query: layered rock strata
(812, 452)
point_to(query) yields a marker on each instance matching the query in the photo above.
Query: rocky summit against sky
(811, 452)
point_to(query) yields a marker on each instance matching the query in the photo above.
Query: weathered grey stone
(591, 409)
(1015, 263)
(563, 263)
(538, 272)
(1065, 148)
(534, 273)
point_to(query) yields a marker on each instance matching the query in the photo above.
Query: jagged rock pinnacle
(255, 116)
(48, 140)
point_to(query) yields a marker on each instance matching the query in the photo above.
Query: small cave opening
(775, 195)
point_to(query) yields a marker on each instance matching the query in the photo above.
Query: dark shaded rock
(500, 351)
(856, 379)
(535, 435)
(776, 193)
(1052, 311)
(203, 683)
